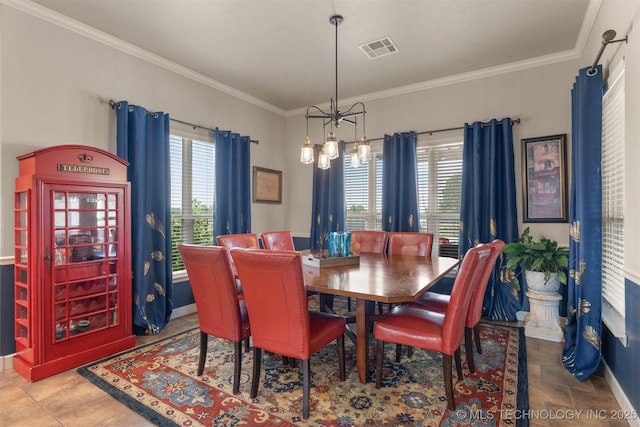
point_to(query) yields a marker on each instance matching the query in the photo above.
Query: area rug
(159, 382)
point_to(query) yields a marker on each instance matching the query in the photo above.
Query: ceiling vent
(378, 48)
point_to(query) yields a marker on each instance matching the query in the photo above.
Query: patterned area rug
(159, 382)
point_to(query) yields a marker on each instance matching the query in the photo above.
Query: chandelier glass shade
(306, 154)
(334, 117)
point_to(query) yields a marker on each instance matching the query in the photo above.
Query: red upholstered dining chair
(416, 327)
(368, 242)
(220, 312)
(439, 302)
(409, 243)
(277, 240)
(280, 319)
(243, 240)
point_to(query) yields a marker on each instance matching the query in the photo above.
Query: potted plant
(544, 262)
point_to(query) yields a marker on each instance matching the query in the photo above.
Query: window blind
(192, 193)
(363, 192)
(439, 189)
(613, 144)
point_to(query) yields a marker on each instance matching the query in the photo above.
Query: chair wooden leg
(448, 381)
(456, 356)
(399, 352)
(257, 360)
(476, 334)
(204, 338)
(379, 357)
(306, 384)
(409, 352)
(341, 369)
(468, 348)
(237, 366)
(247, 345)
(349, 304)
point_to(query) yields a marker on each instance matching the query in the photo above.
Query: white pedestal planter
(543, 321)
(537, 283)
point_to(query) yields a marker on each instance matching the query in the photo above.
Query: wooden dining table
(378, 278)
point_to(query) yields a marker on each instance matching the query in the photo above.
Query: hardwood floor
(67, 399)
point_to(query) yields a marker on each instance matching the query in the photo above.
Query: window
(439, 188)
(192, 193)
(613, 147)
(362, 190)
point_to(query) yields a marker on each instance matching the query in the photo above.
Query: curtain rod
(431, 132)
(607, 38)
(113, 104)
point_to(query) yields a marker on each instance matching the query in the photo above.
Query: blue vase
(346, 243)
(334, 244)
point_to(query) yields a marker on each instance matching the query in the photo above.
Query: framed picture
(267, 185)
(544, 179)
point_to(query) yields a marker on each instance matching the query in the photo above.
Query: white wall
(55, 84)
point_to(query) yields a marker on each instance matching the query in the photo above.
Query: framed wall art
(267, 185)
(544, 179)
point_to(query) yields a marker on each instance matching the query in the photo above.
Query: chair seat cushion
(433, 302)
(325, 328)
(411, 326)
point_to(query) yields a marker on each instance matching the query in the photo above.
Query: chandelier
(332, 118)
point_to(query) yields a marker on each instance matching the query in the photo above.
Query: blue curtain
(488, 205)
(232, 213)
(400, 183)
(327, 206)
(581, 354)
(143, 141)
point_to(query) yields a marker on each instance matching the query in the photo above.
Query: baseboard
(620, 396)
(183, 311)
(6, 362)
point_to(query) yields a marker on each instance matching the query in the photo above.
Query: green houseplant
(544, 256)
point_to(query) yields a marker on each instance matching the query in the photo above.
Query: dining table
(376, 278)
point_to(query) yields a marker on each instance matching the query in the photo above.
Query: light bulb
(331, 146)
(306, 154)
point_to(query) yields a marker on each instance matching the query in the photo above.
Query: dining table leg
(362, 339)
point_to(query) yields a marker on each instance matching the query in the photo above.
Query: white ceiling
(282, 52)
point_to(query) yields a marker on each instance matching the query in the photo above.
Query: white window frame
(613, 148)
(431, 221)
(372, 216)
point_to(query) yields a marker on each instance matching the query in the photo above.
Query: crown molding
(63, 21)
(48, 15)
(567, 55)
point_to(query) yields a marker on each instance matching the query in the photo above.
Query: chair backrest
(244, 240)
(454, 320)
(214, 290)
(276, 299)
(368, 242)
(407, 243)
(475, 306)
(277, 240)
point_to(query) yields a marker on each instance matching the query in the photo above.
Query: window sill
(180, 276)
(614, 322)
